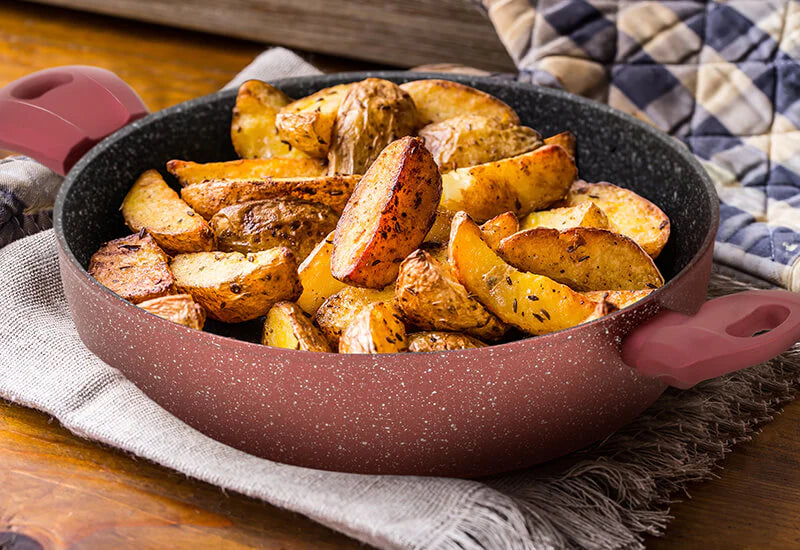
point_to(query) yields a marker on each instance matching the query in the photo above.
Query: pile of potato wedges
(372, 217)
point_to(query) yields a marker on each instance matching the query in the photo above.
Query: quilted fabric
(722, 76)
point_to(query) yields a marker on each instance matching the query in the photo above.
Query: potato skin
(253, 130)
(438, 100)
(375, 329)
(265, 224)
(209, 197)
(152, 205)
(631, 214)
(584, 258)
(178, 308)
(307, 123)
(338, 310)
(441, 341)
(431, 298)
(468, 140)
(388, 216)
(287, 327)
(187, 172)
(372, 114)
(533, 303)
(234, 287)
(586, 214)
(134, 267)
(315, 276)
(565, 139)
(521, 184)
(440, 230)
(498, 228)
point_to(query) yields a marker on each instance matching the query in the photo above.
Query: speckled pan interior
(611, 147)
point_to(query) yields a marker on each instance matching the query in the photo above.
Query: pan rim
(324, 80)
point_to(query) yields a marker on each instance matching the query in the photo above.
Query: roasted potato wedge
(631, 214)
(498, 228)
(375, 329)
(134, 267)
(253, 130)
(188, 173)
(315, 276)
(521, 184)
(440, 230)
(533, 303)
(178, 308)
(565, 140)
(441, 341)
(307, 123)
(288, 327)
(617, 299)
(438, 100)
(373, 113)
(152, 205)
(234, 287)
(468, 140)
(586, 214)
(584, 258)
(388, 216)
(338, 310)
(209, 197)
(261, 225)
(431, 298)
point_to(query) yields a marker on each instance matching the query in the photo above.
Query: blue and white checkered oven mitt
(723, 76)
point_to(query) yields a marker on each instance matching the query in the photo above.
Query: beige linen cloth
(608, 496)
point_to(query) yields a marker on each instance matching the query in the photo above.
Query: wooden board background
(402, 33)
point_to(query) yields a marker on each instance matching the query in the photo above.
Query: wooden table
(66, 492)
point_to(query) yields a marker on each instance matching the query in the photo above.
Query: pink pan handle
(727, 334)
(55, 116)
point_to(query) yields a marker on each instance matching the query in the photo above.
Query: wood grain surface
(405, 34)
(65, 492)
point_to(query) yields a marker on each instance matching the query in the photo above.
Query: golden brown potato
(315, 276)
(533, 303)
(338, 310)
(260, 225)
(584, 258)
(633, 215)
(375, 329)
(209, 197)
(373, 113)
(531, 181)
(388, 215)
(565, 140)
(586, 214)
(178, 308)
(430, 298)
(188, 173)
(440, 230)
(307, 123)
(134, 267)
(288, 327)
(152, 205)
(441, 341)
(438, 100)
(498, 228)
(235, 287)
(468, 140)
(617, 299)
(253, 130)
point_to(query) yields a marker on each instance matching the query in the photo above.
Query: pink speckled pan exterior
(462, 414)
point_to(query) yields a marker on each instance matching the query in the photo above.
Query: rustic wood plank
(408, 33)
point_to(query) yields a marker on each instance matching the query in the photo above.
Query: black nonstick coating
(611, 147)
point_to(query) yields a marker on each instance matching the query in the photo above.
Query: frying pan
(460, 413)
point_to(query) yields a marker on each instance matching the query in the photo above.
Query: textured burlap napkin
(607, 496)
